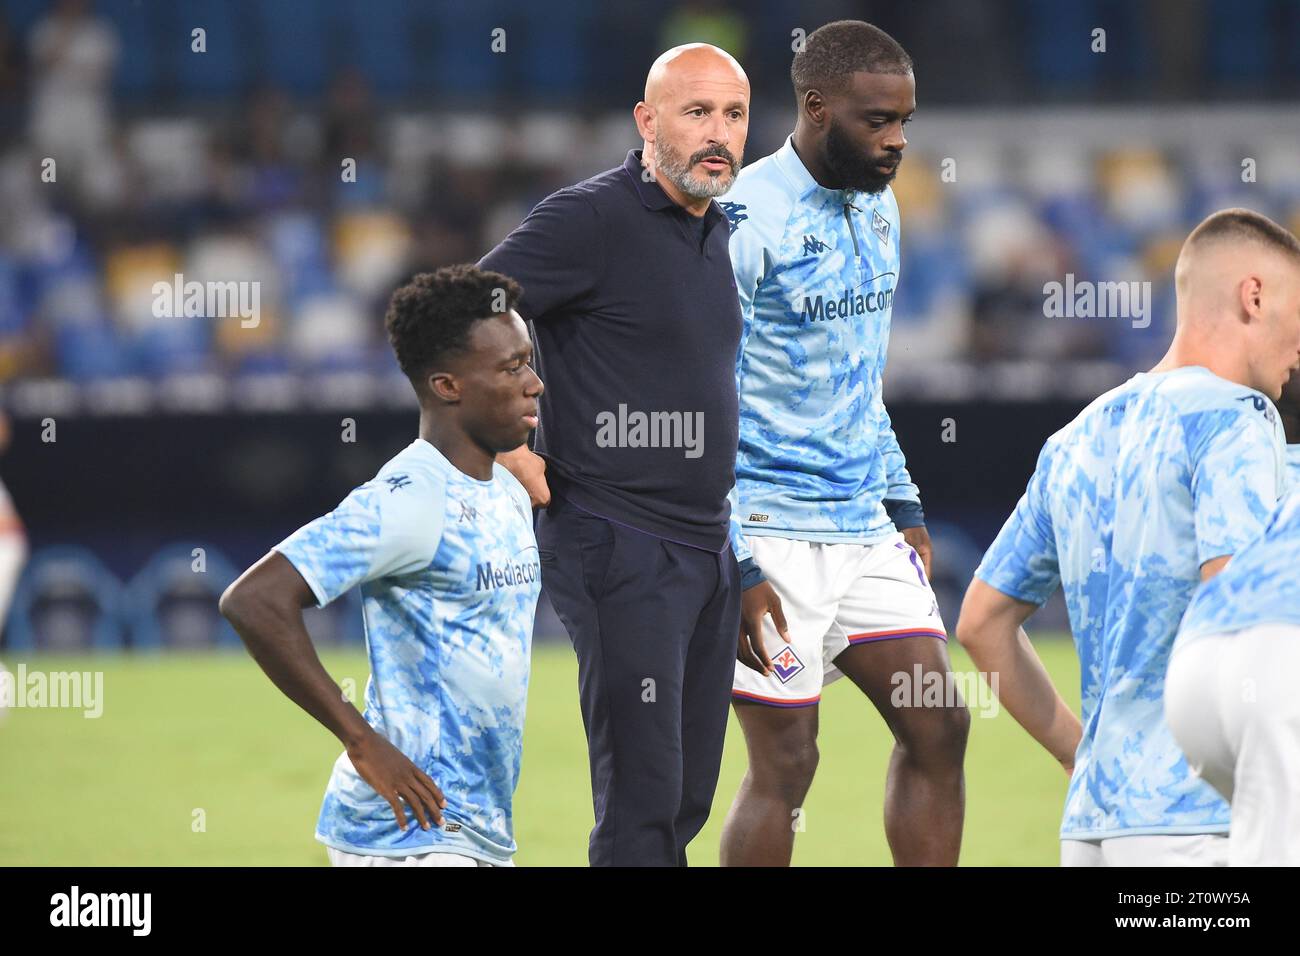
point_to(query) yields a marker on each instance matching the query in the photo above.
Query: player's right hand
(395, 778)
(756, 602)
(530, 469)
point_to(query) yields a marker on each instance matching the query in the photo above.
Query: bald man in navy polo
(629, 289)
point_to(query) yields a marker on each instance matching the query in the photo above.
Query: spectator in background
(1014, 254)
(1004, 306)
(350, 116)
(1178, 54)
(351, 133)
(274, 180)
(73, 54)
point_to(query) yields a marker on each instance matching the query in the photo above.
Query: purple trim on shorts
(747, 698)
(894, 635)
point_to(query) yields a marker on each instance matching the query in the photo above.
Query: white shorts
(343, 858)
(834, 596)
(1231, 703)
(1196, 849)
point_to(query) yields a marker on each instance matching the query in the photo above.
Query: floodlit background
(151, 458)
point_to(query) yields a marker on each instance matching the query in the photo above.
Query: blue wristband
(750, 574)
(904, 514)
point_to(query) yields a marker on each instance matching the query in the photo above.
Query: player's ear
(1251, 292)
(444, 386)
(814, 105)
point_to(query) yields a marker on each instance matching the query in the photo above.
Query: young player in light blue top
(1148, 492)
(441, 543)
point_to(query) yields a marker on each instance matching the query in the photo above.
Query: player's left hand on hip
(919, 539)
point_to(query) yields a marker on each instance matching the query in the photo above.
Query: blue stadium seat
(90, 351)
(66, 601)
(176, 345)
(271, 361)
(170, 604)
(14, 305)
(298, 249)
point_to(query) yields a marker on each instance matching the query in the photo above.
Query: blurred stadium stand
(226, 165)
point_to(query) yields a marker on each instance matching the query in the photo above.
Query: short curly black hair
(431, 316)
(832, 53)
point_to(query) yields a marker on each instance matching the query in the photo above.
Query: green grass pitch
(198, 760)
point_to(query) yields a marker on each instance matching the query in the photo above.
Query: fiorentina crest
(786, 664)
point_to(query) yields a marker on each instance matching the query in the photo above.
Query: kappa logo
(733, 212)
(813, 246)
(786, 664)
(880, 226)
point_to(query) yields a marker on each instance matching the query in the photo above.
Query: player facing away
(441, 543)
(1145, 494)
(1230, 693)
(822, 484)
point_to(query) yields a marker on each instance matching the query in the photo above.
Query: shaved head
(694, 120)
(1231, 243)
(1208, 274)
(687, 63)
(1237, 282)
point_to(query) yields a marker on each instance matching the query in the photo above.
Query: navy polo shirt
(636, 327)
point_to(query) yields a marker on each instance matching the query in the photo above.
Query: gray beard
(670, 165)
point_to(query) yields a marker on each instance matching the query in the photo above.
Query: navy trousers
(654, 625)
